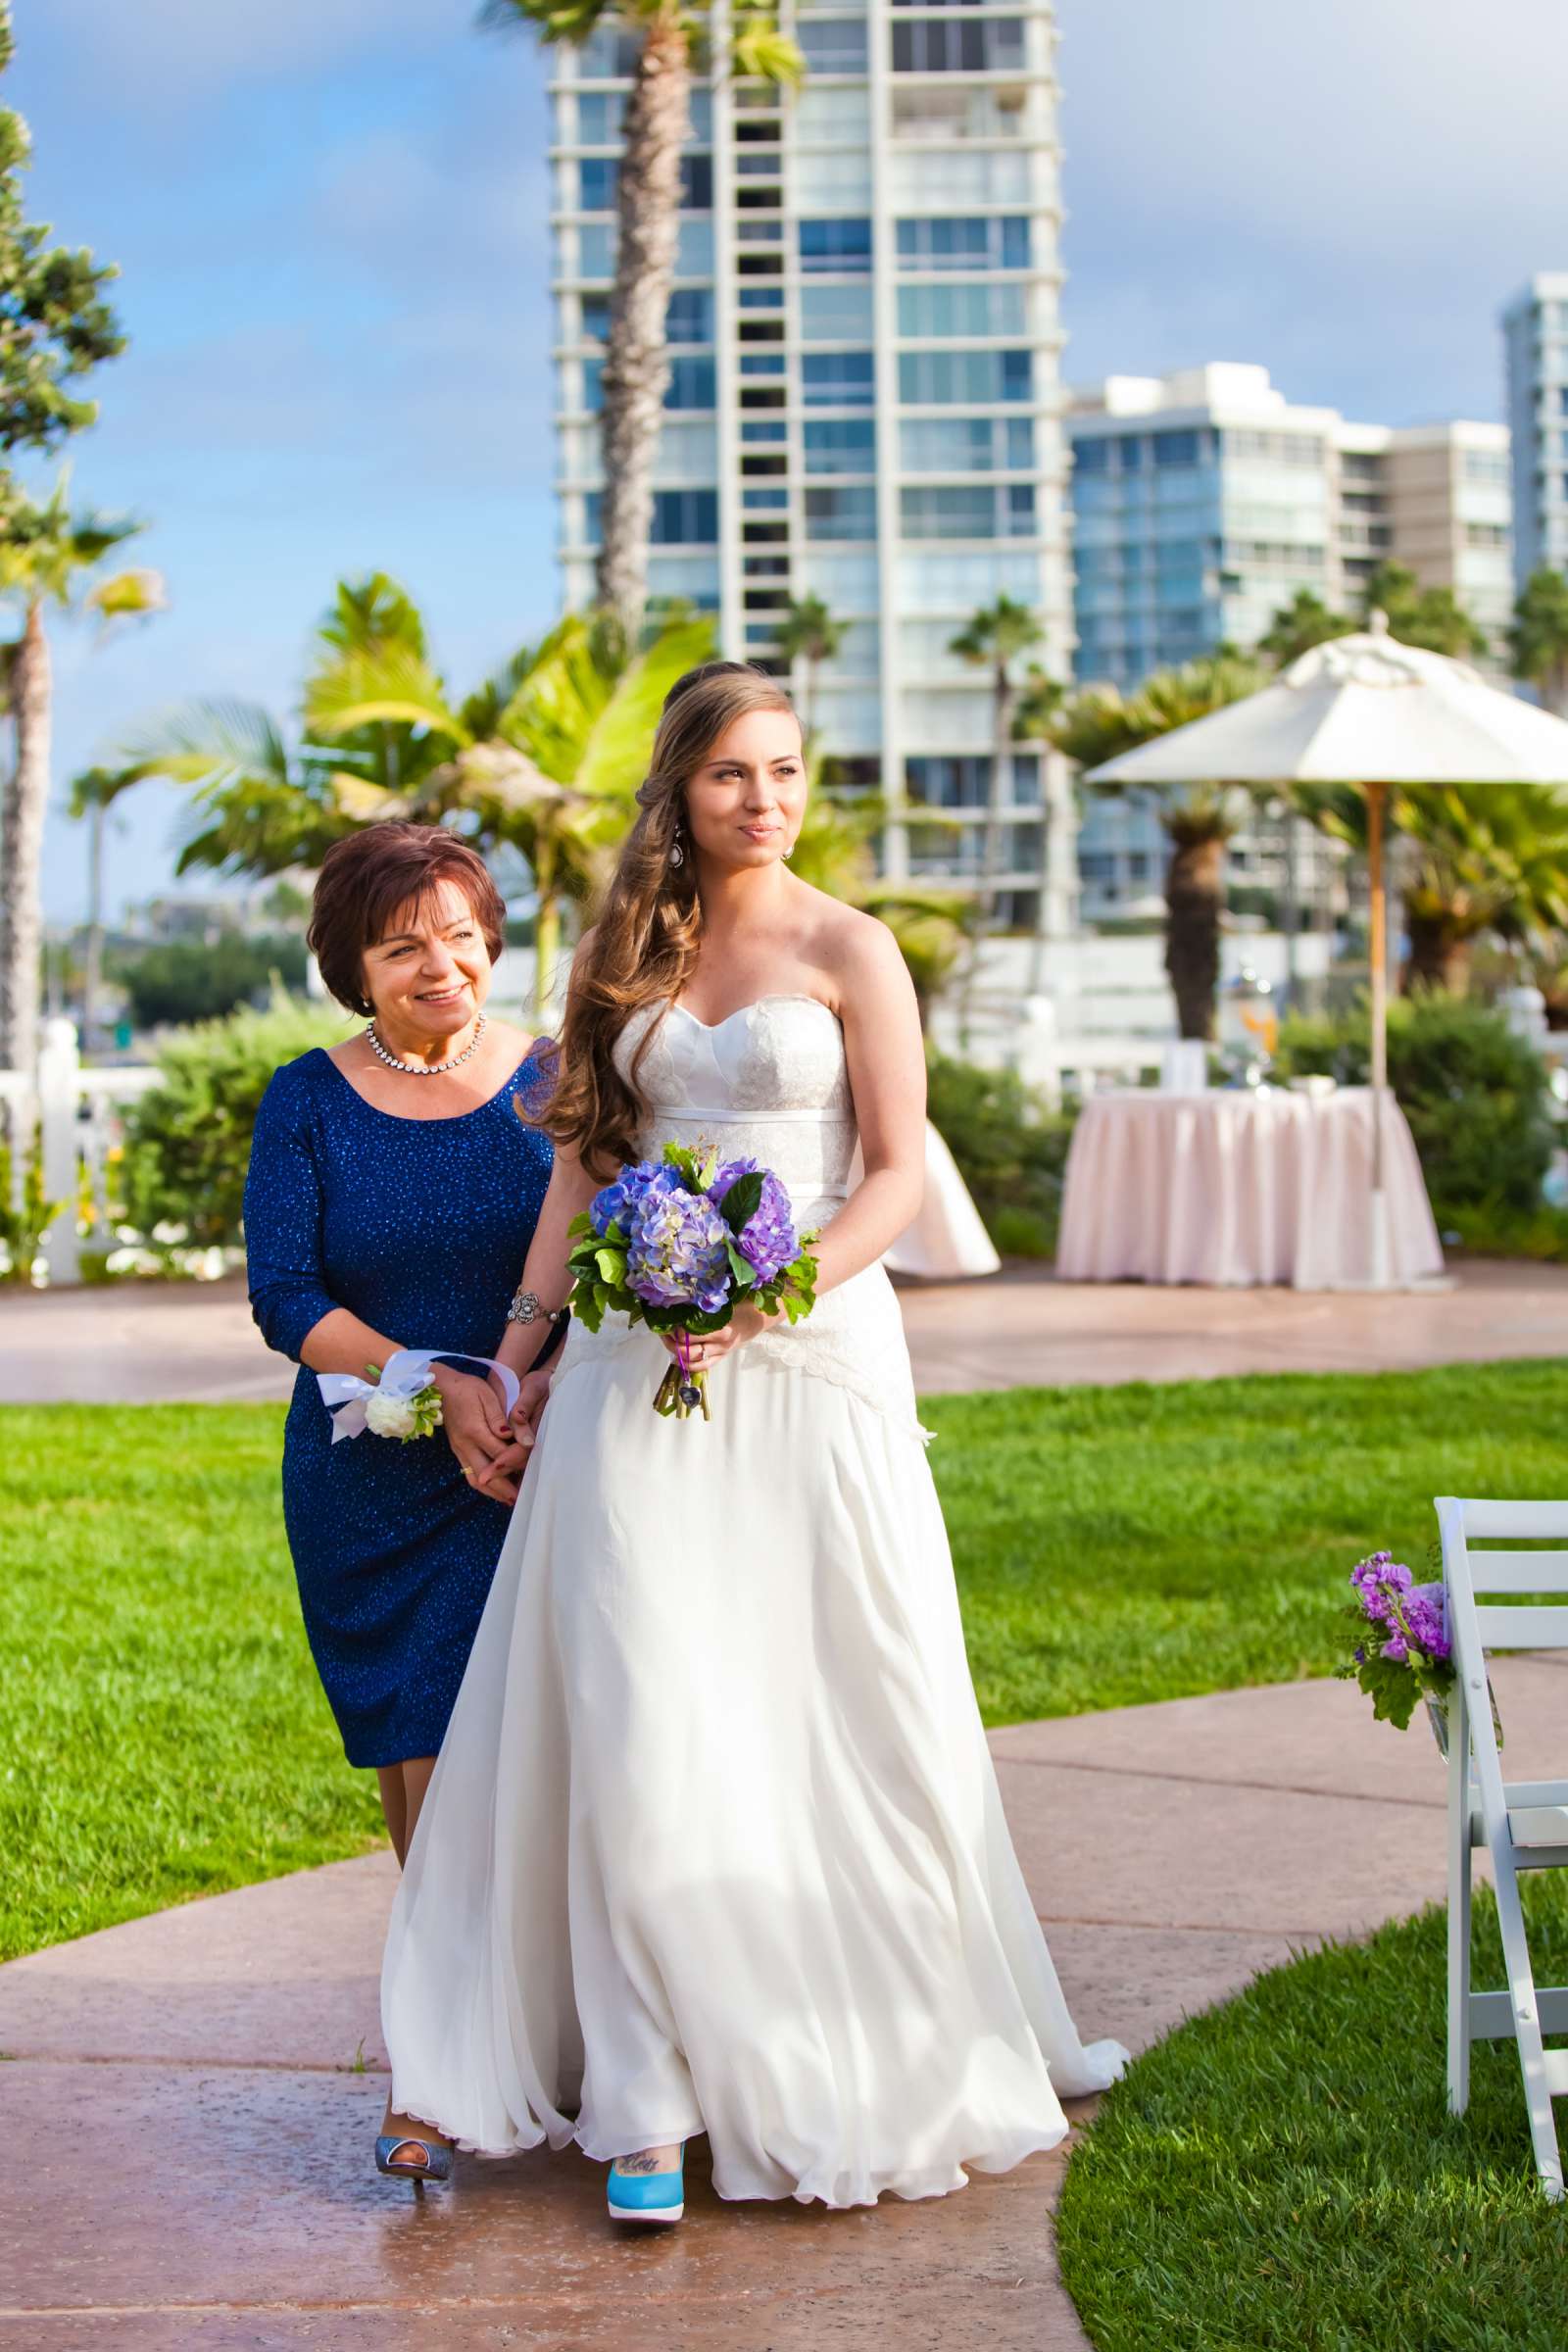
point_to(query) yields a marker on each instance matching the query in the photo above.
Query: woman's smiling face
(431, 974)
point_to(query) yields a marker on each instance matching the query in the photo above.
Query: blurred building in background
(1203, 502)
(1535, 331)
(865, 403)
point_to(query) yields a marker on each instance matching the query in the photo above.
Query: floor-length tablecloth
(1237, 1187)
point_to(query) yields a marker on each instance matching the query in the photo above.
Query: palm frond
(389, 683)
(213, 745)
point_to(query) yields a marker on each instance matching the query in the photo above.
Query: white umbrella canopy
(1370, 711)
(1354, 710)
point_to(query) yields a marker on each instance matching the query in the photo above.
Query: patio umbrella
(1370, 711)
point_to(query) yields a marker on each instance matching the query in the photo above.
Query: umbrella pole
(1376, 798)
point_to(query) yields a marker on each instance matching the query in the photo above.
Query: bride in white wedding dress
(715, 1843)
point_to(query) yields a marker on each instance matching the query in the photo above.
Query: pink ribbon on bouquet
(404, 1374)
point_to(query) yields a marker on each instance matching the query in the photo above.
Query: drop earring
(677, 855)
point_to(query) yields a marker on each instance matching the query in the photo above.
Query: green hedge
(1474, 1092)
(188, 1140)
(1011, 1151)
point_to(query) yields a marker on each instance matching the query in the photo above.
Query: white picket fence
(80, 1113)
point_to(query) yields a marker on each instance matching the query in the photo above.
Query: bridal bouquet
(678, 1243)
(1403, 1651)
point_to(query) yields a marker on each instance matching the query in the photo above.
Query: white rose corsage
(390, 1414)
(400, 1399)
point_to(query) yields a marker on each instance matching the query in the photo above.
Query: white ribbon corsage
(400, 1400)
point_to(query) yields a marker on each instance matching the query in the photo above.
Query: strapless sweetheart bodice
(770, 1083)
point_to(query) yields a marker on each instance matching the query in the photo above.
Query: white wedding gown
(715, 1842)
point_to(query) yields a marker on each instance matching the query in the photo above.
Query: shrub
(188, 1140)
(186, 980)
(1475, 1095)
(1012, 1151)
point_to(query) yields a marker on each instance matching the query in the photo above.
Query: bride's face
(745, 802)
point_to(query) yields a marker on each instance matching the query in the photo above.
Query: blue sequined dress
(420, 1227)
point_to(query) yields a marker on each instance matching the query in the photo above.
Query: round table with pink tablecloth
(1250, 1185)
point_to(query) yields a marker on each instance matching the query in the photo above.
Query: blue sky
(330, 221)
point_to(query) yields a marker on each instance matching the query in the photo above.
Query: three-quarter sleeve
(284, 1210)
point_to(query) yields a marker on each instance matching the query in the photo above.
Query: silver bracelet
(525, 1308)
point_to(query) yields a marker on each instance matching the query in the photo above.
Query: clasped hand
(474, 1415)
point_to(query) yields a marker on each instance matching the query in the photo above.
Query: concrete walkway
(190, 2100)
(152, 1341)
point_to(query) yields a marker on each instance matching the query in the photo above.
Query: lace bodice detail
(771, 1083)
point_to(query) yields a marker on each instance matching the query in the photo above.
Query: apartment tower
(864, 401)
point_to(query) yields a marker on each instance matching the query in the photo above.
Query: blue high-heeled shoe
(436, 2166)
(643, 2197)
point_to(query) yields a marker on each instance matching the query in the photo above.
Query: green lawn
(161, 1734)
(1282, 2174)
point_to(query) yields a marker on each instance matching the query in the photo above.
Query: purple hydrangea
(619, 1201)
(677, 1254)
(1425, 1613)
(767, 1241)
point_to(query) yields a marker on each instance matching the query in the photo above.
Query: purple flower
(677, 1254)
(619, 1201)
(1426, 1614)
(767, 1241)
(1397, 1649)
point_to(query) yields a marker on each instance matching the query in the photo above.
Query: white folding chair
(1524, 1824)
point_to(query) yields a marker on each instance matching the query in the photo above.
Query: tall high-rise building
(1535, 329)
(865, 402)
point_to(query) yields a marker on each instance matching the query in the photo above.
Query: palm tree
(1307, 621)
(47, 558)
(1475, 858)
(1433, 617)
(131, 595)
(1200, 818)
(636, 370)
(809, 634)
(547, 758)
(1539, 637)
(993, 638)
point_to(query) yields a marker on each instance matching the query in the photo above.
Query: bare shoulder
(857, 950)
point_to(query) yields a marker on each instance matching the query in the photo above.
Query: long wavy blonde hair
(649, 929)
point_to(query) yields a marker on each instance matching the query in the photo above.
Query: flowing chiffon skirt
(715, 1842)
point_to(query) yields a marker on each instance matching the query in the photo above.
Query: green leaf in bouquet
(741, 1267)
(611, 1264)
(588, 1308)
(740, 1204)
(684, 1160)
(581, 1224)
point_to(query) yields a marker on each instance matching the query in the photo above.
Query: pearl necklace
(424, 1069)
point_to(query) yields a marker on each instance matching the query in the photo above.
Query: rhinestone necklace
(424, 1069)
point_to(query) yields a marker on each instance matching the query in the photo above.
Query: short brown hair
(366, 878)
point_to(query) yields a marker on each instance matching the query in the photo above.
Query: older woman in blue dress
(392, 1195)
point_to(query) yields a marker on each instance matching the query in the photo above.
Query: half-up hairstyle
(649, 929)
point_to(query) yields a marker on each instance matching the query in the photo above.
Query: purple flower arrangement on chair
(678, 1243)
(1403, 1651)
